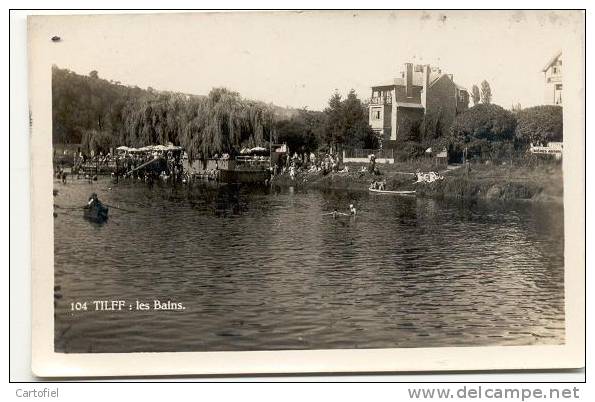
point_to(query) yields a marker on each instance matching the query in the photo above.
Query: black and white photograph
(304, 181)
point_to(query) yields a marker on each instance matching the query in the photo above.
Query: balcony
(381, 100)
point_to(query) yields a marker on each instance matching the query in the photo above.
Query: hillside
(88, 103)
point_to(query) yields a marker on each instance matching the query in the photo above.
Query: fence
(552, 148)
(356, 155)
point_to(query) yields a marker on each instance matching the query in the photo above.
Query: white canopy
(149, 148)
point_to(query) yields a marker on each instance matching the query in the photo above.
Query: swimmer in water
(334, 213)
(352, 210)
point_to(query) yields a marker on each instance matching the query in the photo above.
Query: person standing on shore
(372, 165)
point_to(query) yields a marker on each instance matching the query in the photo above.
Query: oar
(121, 209)
(108, 205)
(68, 208)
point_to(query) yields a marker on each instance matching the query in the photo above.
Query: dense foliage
(99, 141)
(303, 132)
(475, 94)
(98, 114)
(347, 123)
(81, 103)
(485, 131)
(486, 93)
(223, 122)
(484, 122)
(539, 124)
(344, 122)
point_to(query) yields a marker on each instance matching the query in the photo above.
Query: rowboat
(96, 213)
(402, 192)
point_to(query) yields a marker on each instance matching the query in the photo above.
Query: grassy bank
(502, 182)
(540, 182)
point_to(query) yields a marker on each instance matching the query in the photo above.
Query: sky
(299, 59)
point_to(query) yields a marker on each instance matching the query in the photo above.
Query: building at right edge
(420, 91)
(553, 80)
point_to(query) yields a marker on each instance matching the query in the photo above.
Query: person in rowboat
(93, 200)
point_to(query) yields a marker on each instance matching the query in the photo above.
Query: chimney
(409, 79)
(425, 80)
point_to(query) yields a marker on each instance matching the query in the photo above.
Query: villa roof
(417, 80)
(461, 88)
(552, 61)
(385, 84)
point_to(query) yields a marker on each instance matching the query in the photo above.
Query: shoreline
(541, 184)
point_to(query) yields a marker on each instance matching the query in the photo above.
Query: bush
(484, 122)
(540, 124)
(408, 150)
(492, 150)
(296, 135)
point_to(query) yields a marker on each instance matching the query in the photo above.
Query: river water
(265, 269)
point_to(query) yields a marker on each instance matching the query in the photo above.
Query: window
(555, 70)
(558, 87)
(376, 114)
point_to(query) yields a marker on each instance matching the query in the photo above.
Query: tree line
(100, 114)
(488, 130)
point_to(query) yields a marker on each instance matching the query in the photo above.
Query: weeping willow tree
(191, 137)
(96, 141)
(223, 122)
(153, 120)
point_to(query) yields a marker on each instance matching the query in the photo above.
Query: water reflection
(265, 268)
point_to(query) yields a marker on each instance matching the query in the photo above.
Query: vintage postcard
(307, 191)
